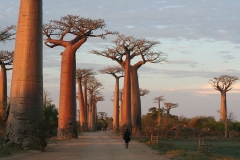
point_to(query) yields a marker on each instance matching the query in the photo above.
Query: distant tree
(6, 58)
(169, 106)
(97, 97)
(117, 72)
(102, 115)
(223, 84)
(6, 34)
(55, 31)
(158, 100)
(94, 86)
(81, 75)
(25, 123)
(50, 119)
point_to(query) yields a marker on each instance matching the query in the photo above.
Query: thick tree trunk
(136, 103)
(3, 91)
(25, 122)
(120, 110)
(223, 110)
(116, 108)
(67, 128)
(126, 108)
(159, 114)
(82, 112)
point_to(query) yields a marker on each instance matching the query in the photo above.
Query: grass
(187, 149)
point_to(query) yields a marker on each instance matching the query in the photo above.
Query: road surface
(92, 146)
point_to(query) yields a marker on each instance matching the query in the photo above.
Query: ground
(92, 146)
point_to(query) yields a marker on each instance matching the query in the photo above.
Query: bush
(50, 120)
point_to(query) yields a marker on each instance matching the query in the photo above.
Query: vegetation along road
(92, 146)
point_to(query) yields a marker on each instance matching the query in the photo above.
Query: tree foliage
(6, 33)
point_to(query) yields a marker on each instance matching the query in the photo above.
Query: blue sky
(201, 39)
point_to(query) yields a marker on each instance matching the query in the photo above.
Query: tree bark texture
(82, 111)
(116, 108)
(25, 121)
(126, 108)
(67, 128)
(136, 103)
(3, 90)
(223, 110)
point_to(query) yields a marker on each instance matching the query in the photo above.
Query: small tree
(158, 100)
(169, 106)
(223, 85)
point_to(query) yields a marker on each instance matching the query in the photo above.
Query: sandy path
(92, 146)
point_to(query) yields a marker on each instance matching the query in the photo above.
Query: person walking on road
(126, 137)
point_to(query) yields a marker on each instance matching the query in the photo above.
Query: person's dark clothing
(126, 138)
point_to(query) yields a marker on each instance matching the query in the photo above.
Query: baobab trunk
(223, 110)
(94, 116)
(116, 108)
(126, 108)
(82, 112)
(85, 101)
(159, 114)
(25, 121)
(90, 112)
(3, 91)
(67, 128)
(136, 103)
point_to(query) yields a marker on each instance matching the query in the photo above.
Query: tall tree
(223, 85)
(6, 33)
(6, 58)
(25, 125)
(94, 86)
(158, 100)
(117, 72)
(80, 75)
(97, 97)
(125, 49)
(55, 31)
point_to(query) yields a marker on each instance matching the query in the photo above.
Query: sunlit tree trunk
(116, 107)
(94, 116)
(82, 111)
(223, 110)
(136, 103)
(67, 102)
(126, 107)
(25, 122)
(3, 90)
(85, 101)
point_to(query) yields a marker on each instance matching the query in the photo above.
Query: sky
(200, 37)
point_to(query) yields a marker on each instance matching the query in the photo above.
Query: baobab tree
(97, 97)
(158, 100)
(223, 85)
(117, 72)
(94, 86)
(125, 49)
(136, 120)
(169, 106)
(82, 74)
(25, 125)
(6, 33)
(6, 58)
(55, 31)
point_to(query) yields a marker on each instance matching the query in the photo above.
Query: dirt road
(92, 146)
